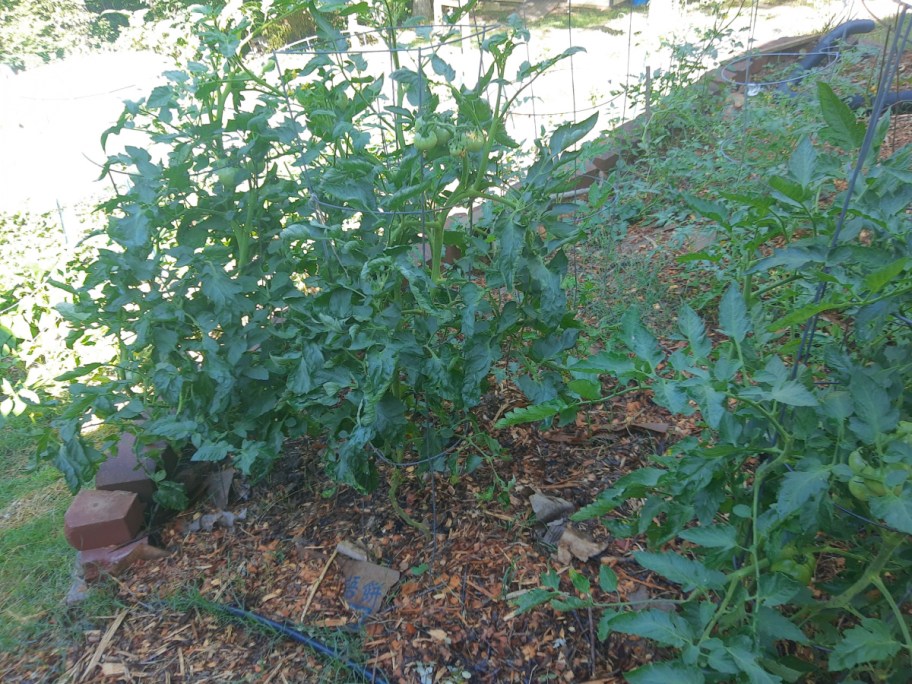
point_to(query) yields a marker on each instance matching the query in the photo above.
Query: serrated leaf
(843, 128)
(877, 280)
(894, 510)
(708, 209)
(666, 673)
(668, 394)
(639, 340)
(800, 487)
(870, 642)
(667, 629)
(874, 414)
(568, 134)
(212, 452)
(712, 537)
(793, 393)
(733, 319)
(441, 68)
(604, 624)
(776, 626)
(608, 580)
(580, 582)
(78, 372)
(690, 574)
(604, 362)
(586, 389)
(802, 314)
(172, 428)
(691, 326)
(531, 414)
(532, 599)
(803, 162)
(601, 506)
(745, 658)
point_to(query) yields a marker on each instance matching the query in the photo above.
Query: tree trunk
(424, 9)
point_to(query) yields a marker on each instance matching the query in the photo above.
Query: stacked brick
(104, 524)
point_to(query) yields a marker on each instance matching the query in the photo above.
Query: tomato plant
(800, 474)
(264, 273)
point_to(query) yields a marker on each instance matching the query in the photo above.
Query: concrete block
(98, 518)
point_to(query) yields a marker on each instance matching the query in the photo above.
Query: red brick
(99, 518)
(127, 471)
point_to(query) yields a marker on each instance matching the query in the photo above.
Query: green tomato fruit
(457, 146)
(858, 489)
(426, 142)
(443, 135)
(227, 176)
(875, 485)
(475, 141)
(857, 462)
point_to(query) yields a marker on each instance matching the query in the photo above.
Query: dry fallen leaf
(439, 635)
(578, 544)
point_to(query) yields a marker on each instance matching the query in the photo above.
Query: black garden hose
(823, 50)
(903, 97)
(374, 676)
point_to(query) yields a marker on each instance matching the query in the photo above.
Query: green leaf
(882, 277)
(531, 414)
(441, 68)
(894, 510)
(604, 362)
(745, 659)
(803, 162)
(667, 629)
(776, 626)
(586, 389)
(171, 428)
(691, 326)
(668, 394)
(690, 574)
(531, 599)
(709, 209)
(800, 487)
(874, 414)
(218, 287)
(712, 537)
(870, 642)
(639, 340)
(793, 393)
(666, 673)
(78, 372)
(843, 128)
(569, 134)
(608, 580)
(212, 452)
(803, 313)
(580, 582)
(733, 319)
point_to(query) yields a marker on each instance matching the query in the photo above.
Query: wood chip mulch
(448, 619)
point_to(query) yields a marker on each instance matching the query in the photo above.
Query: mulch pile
(448, 619)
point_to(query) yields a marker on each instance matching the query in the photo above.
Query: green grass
(37, 562)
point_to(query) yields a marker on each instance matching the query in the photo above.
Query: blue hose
(293, 634)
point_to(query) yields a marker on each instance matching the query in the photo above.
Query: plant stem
(897, 613)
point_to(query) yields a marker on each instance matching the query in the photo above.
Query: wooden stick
(103, 644)
(316, 585)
